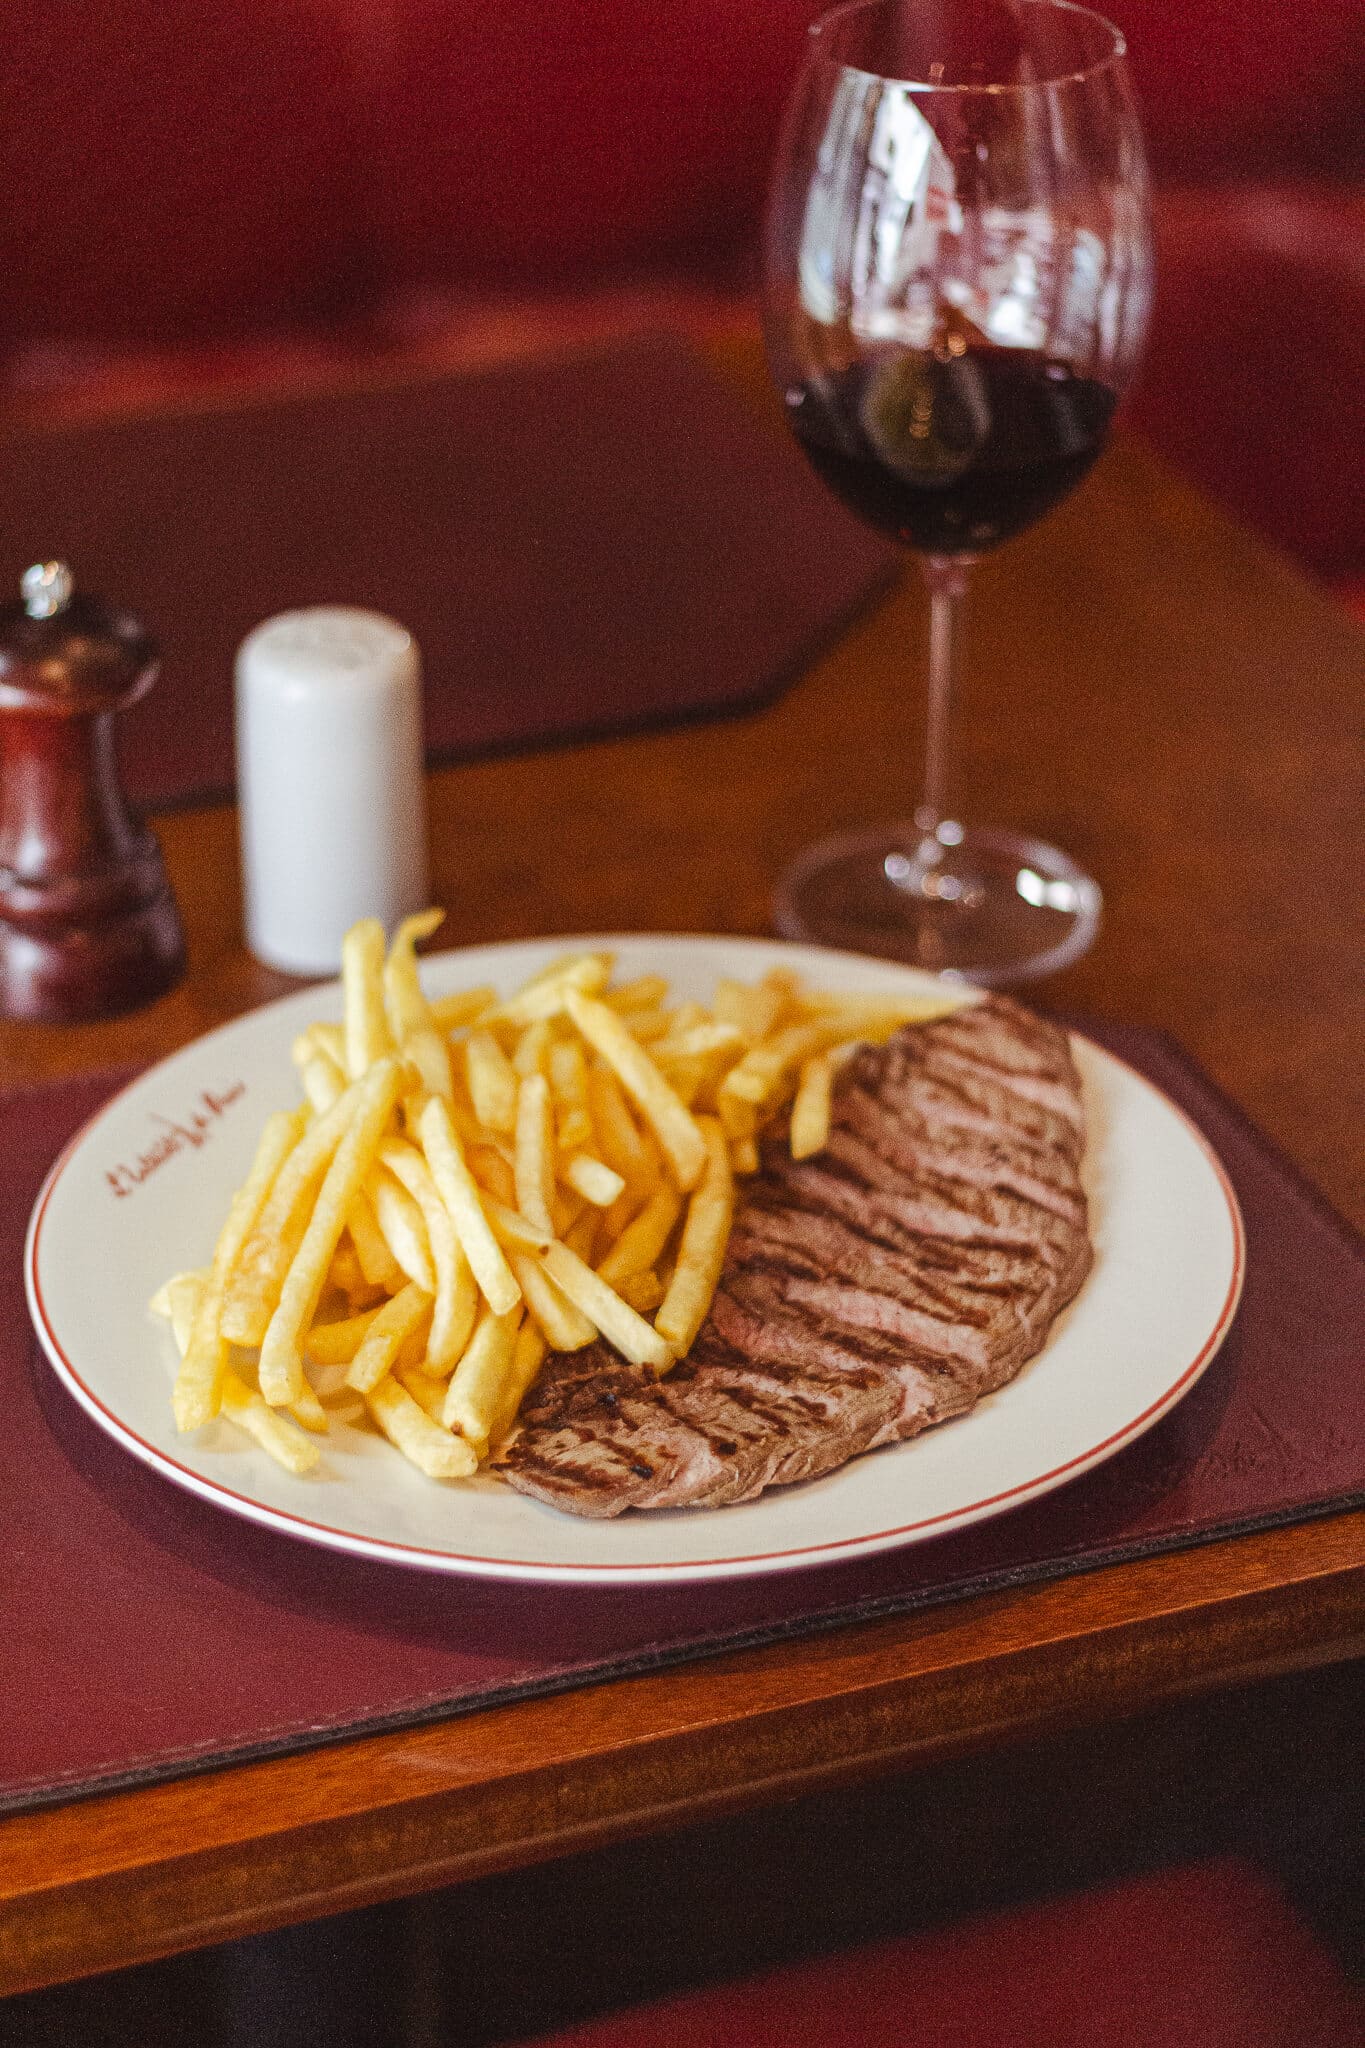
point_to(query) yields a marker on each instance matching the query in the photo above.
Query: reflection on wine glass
(957, 274)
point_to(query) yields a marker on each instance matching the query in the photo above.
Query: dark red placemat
(147, 1634)
(585, 545)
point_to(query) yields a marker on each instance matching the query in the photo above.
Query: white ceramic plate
(141, 1191)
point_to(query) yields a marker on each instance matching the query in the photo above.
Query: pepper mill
(88, 924)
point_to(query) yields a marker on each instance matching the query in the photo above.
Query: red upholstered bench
(1207, 1957)
(323, 174)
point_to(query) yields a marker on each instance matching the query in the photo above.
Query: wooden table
(1145, 686)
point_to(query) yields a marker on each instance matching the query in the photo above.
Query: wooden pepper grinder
(88, 924)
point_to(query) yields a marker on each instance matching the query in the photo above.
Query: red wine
(952, 456)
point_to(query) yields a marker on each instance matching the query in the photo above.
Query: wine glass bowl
(957, 272)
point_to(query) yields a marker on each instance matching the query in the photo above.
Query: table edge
(132, 1876)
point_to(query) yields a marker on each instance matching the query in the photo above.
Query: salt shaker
(88, 924)
(330, 789)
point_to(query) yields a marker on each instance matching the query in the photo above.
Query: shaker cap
(63, 652)
(332, 649)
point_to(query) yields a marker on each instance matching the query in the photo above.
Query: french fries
(646, 992)
(533, 1166)
(753, 1011)
(449, 1013)
(598, 1303)
(457, 1295)
(281, 1364)
(672, 1124)
(428, 1393)
(702, 1251)
(618, 1137)
(811, 1108)
(596, 1183)
(286, 1445)
(178, 1299)
(533, 1048)
(337, 1343)
(409, 1014)
(406, 1006)
(460, 1193)
(492, 1082)
(330, 1040)
(368, 1036)
(568, 1076)
(643, 1291)
(385, 1337)
(323, 1078)
(426, 1444)
(309, 1410)
(259, 1266)
(640, 1243)
(562, 1324)
(528, 1355)
(545, 995)
(378, 1266)
(582, 1234)
(198, 1385)
(744, 1155)
(477, 1179)
(478, 1384)
(766, 1065)
(403, 1227)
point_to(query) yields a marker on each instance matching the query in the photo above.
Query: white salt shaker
(330, 788)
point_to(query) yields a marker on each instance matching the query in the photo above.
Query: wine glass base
(970, 903)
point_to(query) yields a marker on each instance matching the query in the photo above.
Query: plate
(141, 1191)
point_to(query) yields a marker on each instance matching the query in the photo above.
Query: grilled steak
(911, 1267)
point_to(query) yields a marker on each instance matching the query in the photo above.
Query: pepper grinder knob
(88, 924)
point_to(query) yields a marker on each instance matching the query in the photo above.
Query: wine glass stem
(946, 577)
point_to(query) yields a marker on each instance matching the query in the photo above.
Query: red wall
(177, 166)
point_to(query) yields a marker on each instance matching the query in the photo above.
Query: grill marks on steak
(883, 1286)
(718, 1429)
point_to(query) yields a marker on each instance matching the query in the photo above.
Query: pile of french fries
(473, 1181)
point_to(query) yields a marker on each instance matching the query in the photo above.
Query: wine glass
(957, 272)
